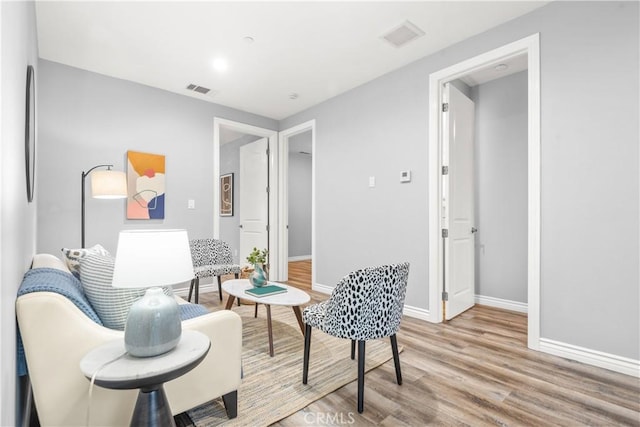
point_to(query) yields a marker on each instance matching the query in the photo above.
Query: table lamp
(151, 259)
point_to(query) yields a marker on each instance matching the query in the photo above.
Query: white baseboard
(299, 258)
(609, 361)
(416, 313)
(502, 303)
(323, 289)
(181, 292)
(184, 292)
(568, 351)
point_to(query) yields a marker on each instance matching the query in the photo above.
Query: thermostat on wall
(405, 176)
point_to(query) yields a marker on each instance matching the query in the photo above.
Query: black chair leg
(191, 289)
(396, 358)
(307, 348)
(197, 290)
(236, 274)
(230, 401)
(353, 349)
(220, 287)
(361, 376)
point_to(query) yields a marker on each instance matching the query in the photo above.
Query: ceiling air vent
(403, 34)
(200, 89)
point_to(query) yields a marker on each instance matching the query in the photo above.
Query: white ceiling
(314, 49)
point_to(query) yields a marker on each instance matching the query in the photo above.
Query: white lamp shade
(147, 258)
(108, 184)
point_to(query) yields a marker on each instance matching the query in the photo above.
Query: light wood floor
(300, 274)
(474, 370)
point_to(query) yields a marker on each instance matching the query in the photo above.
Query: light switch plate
(405, 176)
(191, 204)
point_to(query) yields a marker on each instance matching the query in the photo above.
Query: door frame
(531, 46)
(272, 136)
(283, 187)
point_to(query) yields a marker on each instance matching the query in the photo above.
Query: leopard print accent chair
(211, 257)
(365, 305)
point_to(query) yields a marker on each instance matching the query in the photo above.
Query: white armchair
(56, 334)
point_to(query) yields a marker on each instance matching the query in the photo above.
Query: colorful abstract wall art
(145, 185)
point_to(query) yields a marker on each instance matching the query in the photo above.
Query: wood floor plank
(474, 370)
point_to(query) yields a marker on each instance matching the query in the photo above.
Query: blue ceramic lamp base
(153, 325)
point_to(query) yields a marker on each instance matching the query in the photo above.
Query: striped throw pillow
(73, 256)
(111, 304)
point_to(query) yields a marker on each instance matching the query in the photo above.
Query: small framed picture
(226, 195)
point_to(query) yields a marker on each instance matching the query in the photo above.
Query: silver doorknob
(474, 230)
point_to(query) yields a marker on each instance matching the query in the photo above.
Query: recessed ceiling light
(501, 67)
(220, 64)
(248, 39)
(293, 95)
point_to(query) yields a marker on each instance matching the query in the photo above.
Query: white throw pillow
(73, 256)
(111, 304)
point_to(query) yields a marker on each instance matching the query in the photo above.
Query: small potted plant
(258, 258)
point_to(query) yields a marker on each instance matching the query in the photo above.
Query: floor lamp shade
(108, 184)
(150, 259)
(105, 184)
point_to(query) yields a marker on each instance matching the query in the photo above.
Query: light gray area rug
(272, 387)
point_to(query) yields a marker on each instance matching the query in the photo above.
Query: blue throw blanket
(67, 285)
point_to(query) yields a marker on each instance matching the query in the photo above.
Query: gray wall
(17, 216)
(89, 119)
(230, 163)
(589, 166)
(300, 195)
(501, 187)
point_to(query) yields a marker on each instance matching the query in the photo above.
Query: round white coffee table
(293, 298)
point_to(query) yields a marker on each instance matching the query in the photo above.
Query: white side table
(118, 370)
(293, 298)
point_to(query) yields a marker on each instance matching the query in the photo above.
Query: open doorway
(229, 139)
(297, 201)
(500, 184)
(438, 232)
(485, 189)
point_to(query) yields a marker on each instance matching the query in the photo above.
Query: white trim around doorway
(531, 46)
(283, 204)
(272, 135)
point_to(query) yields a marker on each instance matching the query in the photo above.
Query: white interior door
(254, 197)
(458, 212)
